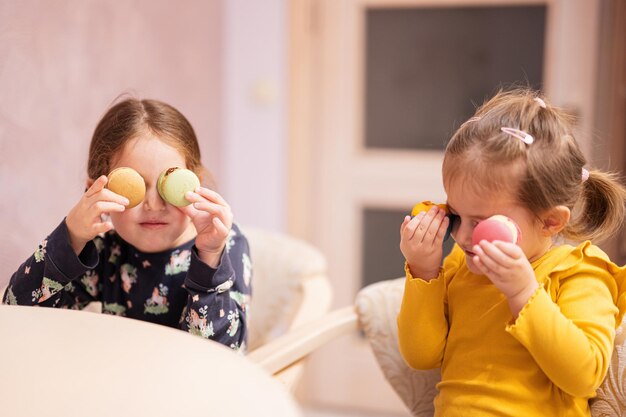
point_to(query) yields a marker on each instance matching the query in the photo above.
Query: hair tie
(520, 134)
(542, 103)
(585, 175)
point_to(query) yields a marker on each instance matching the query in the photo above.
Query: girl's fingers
(430, 237)
(411, 226)
(220, 227)
(201, 205)
(108, 195)
(443, 228)
(424, 230)
(430, 216)
(193, 197)
(209, 207)
(100, 193)
(211, 196)
(107, 207)
(102, 227)
(510, 249)
(492, 263)
(189, 210)
(406, 221)
(488, 265)
(495, 254)
(481, 267)
(211, 203)
(97, 186)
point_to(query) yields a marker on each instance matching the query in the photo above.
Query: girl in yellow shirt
(518, 330)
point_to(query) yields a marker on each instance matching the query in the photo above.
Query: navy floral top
(174, 288)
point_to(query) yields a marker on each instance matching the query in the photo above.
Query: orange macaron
(128, 183)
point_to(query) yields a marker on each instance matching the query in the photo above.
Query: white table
(74, 363)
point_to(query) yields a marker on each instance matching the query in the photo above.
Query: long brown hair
(542, 175)
(131, 117)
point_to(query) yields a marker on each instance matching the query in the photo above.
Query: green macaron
(173, 184)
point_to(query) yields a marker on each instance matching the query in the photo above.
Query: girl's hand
(506, 265)
(212, 217)
(421, 242)
(84, 222)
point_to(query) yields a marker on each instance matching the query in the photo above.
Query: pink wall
(61, 65)
(254, 147)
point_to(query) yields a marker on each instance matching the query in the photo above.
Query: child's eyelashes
(455, 220)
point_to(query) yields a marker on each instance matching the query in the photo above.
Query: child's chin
(471, 266)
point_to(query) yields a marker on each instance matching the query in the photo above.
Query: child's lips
(469, 253)
(153, 224)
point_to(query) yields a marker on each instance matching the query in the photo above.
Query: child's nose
(153, 201)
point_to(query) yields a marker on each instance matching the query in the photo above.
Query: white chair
(289, 289)
(375, 312)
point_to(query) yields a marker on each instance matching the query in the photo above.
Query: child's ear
(555, 219)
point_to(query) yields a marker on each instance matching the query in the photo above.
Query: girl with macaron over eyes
(523, 327)
(185, 265)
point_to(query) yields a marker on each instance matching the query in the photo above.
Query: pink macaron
(497, 227)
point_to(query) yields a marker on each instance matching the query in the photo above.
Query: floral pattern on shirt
(40, 253)
(157, 304)
(128, 276)
(173, 288)
(199, 324)
(179, 262)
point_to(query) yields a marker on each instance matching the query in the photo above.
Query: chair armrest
(377, 306)
(298, 343)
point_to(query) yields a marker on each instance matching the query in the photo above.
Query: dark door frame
(610, 107)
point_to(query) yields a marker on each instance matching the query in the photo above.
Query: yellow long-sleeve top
(547, 362)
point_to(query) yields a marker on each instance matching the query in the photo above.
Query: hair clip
(541, 102)
(585, 175)
(520, 134)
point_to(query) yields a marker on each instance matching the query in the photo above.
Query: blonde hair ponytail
(600, 210)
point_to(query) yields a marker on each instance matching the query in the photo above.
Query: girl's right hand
(84, 222)
(421, 242)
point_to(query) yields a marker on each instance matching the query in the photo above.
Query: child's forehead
(473, 195)
(148, 151)
(152, 144)
(482, 177)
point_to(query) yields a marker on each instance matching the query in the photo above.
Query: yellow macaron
(425, 206)
(128, 183)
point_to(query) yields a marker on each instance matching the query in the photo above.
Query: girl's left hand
(212, 218)
(506, 265)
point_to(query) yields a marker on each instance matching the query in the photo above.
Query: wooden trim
(298, 343)
(300, 115)
(618, 104)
